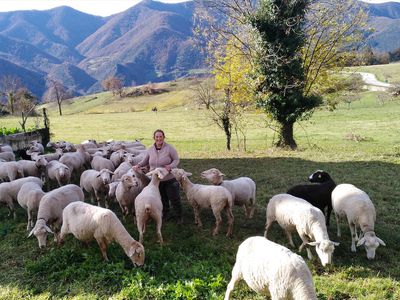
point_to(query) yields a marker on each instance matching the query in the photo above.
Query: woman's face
(159, 138)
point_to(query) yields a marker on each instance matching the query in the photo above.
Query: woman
(161, 154)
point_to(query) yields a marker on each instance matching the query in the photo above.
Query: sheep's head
(370, 242)
(105, 176)
(180, 174)
(319, 176)
(136, 253)
(64, 173)
(160, 172)
(40, 231)
(213, 176)
(40, 162)
(129, 181)
(324, 250)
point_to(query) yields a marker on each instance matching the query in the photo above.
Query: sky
(93, 7)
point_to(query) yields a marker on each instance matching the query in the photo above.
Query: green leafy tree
(279, 65)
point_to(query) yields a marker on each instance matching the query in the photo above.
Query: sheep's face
(325, 250)
(371, 242)
(213, 176)
(319, 176)
(129, 181)
(64, 173)
(40, 231)
(105, 176)
(136, 253)
(180, 174)
(161, 173)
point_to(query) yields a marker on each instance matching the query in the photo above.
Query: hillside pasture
(358, 143)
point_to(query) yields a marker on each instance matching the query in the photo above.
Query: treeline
(369, 57)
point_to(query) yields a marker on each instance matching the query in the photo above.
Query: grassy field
(357, 144)
(386, 73)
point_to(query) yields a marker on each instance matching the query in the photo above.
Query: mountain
(151, 41)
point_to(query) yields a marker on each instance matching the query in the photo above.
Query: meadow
(358, 143)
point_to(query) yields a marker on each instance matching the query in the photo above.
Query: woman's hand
(136, 168)
(168, 167)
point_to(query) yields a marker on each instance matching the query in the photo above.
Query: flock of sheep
(104, 172)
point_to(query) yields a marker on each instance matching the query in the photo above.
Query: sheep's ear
(313, 243)
(381, 242)
(361, 242)
(30, 233)
(48, 229)
(98, 175)
(131, 251)
(188, 174)
(335, 243)
(111, 172)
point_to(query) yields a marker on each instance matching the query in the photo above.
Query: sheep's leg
(28, 226)
(250, 211)
(141, 226)
(103, 248)
(12, 210)
(230, 218)
(305, 244)
(218, 220)
(267, 226)
(196, 212)
(159, 224)
(97, 196)
(236, 275)
(289, 236)
(353, 236)
(339, 234)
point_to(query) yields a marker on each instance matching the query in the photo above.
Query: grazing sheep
(9, 191)
(148, 204)
(98, 163)
(269, 268)
(243, 189)
(10, 170)
(57, 171)
(293, 213)
(126, 193)
(360, 211)
(87, 222)
(50, 211)
(96, 183)
(7, 156)
(204, 196)
(29, 197)
(318, 194)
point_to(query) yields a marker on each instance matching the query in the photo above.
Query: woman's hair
(158, 130)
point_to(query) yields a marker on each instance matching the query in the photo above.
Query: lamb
(98, 163)
(148, 204)
(202, 196)
(96, 183)
(50, 211)
(57, 171)
(360, 211)
(318, 194)
(126, 193)
(269, 268)
(293, 213)
(29, 197)
(9, 191)
(87, 222)
(243, 189)
(10, 170)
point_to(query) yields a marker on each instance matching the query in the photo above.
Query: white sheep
(9, 191)
(49, 156)
(35, 168)
(5, 148)
(7, 156)
(148, 204)
(243, 189)
(126, 193)
(98, 163)
(360, 211)
(112, 188)
(10, 170)
(57, 171)
(87, 222)
(36, 147)
(269, 268)
(294, 213)
(76, 161)
(117, 157)
(50, 211)
(122, 169)
(96, 184)
(29, 197)
(204, 196)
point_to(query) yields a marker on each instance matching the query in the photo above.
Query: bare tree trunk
(286, 139)
(59, 107)
(228, 131)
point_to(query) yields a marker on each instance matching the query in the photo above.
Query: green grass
(387, 73)
(358, 144)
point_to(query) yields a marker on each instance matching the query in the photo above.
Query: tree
(56, 91)
(26, 103)
(293, 45)
(113, 84)
(9, 84)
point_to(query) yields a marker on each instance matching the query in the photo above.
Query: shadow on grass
(193, 263)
